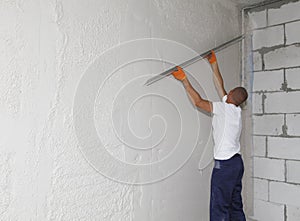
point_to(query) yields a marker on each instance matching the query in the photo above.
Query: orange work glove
(212, 57)
(179, 74)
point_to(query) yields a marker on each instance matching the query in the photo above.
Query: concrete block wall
(275, 32)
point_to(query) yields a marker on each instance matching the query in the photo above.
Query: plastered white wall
(46, 48)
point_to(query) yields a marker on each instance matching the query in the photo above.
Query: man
(226, 180)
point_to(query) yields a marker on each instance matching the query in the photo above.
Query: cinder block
(284, 148)
(293, 124)
(257, 61)
(258, 19)
(285, 193)
(271, 169)
(257, 106)
(283, 57)
(282, 102)
(292, 32)
(285, 13)
(293, 213)
(268, 124)
(293, 174)
(261, 189)
(268, 37)
(267, 211)
(259, 146)
(268, 80)
(293, 78)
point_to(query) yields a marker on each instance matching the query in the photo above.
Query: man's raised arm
(218, 80)
(194, 96)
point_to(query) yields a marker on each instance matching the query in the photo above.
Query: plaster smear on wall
(46, 49)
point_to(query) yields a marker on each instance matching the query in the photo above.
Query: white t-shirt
(227, 127)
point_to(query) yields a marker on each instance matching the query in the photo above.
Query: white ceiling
(247, 2)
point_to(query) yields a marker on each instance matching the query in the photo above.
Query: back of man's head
(239, 95)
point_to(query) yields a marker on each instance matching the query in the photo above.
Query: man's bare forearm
(195, 97)
(218, 79)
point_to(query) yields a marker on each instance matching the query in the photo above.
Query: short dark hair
(240, 95)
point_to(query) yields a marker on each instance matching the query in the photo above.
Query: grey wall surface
(67, 68)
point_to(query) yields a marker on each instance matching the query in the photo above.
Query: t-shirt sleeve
(224, 98)
(218, 107)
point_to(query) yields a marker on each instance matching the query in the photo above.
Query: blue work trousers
(226, 187)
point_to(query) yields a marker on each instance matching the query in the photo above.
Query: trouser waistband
(234, 156)
(235, 159)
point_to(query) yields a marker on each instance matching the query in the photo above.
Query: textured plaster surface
(245, 3)
(45, 47)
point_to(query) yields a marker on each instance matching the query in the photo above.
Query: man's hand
(212, 57)
(179, 74)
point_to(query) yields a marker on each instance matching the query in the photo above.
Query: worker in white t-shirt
(226, 180)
